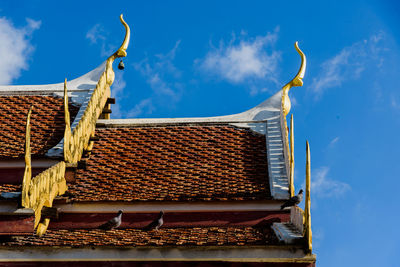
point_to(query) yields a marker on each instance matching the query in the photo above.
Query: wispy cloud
(334, 141)
(244, 61)
(349, 63)
(97, 35)
(143, 107)
(394, 102)
(163, 78)
(117, 91)
(324, 187)
(15, 48)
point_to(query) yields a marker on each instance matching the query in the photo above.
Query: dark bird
(293, 200)
(157, 223)
(113, 223)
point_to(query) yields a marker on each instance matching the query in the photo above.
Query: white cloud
(394, 102)
(349, 64)
(334, 141)
(144, 106)
(243, 61)
(97, 35)
(161, 75)
(117, 91)
(323, 186)
(15, 48)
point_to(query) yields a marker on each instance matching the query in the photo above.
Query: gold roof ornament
(285, 107)
(296, 81)
(78, 141)
(291, 159)
(67, 131)
(40, 190)
(28, 167)
(307, 206)
(121, 52)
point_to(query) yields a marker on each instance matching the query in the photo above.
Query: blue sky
(207, 58)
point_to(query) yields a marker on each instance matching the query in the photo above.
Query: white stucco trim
(107, 207)
(277, 172)
(287, 232)
(78, 88)
(243, 254)
(87, 82)
(269, 109)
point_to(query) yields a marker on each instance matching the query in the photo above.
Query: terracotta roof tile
(164, 237)
(174, 163)
(10, 188)
(47, 124)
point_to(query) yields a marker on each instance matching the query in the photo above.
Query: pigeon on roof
(113, 223)
(293, 200)
(156, 224)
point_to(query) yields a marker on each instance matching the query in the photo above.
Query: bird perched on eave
(113, 223)
(157, 223)
(295, 200)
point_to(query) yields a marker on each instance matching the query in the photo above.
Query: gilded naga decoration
(296, 81)
(44, 187)
(78, 141)
(307, 207)
(285, 109)
(291, 159)
(297, 212)
(28, 167)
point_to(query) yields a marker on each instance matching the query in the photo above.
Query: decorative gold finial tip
(122, 50)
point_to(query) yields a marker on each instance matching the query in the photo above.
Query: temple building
(192, 191)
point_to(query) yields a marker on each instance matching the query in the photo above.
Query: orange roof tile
(164, 237)
(47, 123)
(174, 163)
(10, 188)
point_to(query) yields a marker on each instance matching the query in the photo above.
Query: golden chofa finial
(307, 205)
(296, 81)
(121, 52)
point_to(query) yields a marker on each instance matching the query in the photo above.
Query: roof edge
(269, 109)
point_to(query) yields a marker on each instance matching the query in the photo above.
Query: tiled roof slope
(164, 237)
(10, 188)
(174, 163)
(47, 123)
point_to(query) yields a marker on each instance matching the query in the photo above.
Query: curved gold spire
(121, 52)
(307, 206)
(291, 159)
(296, 81)
(28, 168)
(67, 130)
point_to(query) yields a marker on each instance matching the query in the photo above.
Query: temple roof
(234, 157)
(241, 159)
(263, 121)
(174, 163)
(164, 237)
(47, 123)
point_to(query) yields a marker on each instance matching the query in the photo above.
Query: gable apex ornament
(296, 81)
